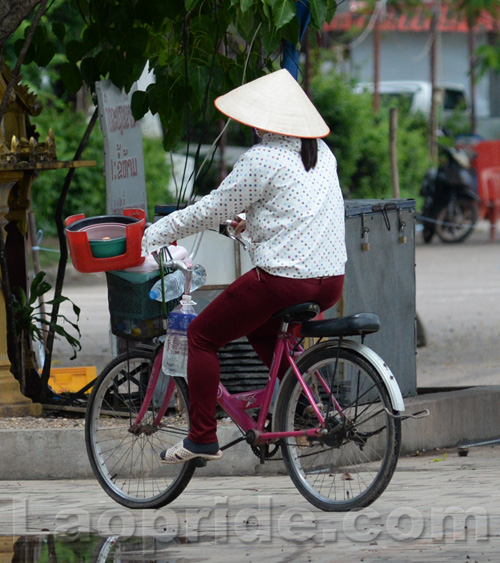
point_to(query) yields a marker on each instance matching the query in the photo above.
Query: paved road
(437, 508)
(458, 301)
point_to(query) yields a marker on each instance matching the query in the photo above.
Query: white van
(452, 97)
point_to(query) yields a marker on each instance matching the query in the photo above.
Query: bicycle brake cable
(162, 277)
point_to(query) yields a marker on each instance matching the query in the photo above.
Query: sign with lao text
(123, 154)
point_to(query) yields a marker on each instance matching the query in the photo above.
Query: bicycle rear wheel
(352, 463)
(127, 464)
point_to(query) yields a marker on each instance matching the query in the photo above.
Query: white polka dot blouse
(295, 219)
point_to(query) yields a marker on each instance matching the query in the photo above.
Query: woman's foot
(186, 450)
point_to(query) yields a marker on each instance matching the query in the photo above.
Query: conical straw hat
(276, 103)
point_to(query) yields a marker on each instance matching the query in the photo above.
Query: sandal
(179, 454)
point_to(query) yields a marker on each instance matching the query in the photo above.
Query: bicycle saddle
(298, 313)
(358, 324)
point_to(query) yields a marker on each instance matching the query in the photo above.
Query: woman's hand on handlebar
(239, 226)
(233, 228)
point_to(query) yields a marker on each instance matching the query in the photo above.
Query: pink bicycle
(336, 417)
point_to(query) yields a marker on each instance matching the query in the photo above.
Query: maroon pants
(245, 308)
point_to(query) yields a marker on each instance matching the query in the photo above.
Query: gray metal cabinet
(380, 278)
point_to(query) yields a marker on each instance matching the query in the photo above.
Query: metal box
(380, 278)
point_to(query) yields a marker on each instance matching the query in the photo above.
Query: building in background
(405, 54)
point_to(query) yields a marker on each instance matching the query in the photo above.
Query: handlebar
(176, 265)
(187, 265)
(224, 229)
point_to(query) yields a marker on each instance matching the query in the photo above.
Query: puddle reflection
(89, 548)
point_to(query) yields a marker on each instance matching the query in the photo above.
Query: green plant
(29, 319)
(88, 191)
(157, 171)
(196, 48)
(359, 139)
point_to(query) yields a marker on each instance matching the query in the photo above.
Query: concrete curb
(456, 417)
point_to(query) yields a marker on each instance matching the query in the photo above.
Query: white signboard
(123, 154)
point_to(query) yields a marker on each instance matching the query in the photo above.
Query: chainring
(270, 450)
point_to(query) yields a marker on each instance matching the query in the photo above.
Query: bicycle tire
(352, 465)
(128, 465)
(456, 221)
(428, 233)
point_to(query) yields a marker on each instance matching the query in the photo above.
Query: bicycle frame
(236, 405)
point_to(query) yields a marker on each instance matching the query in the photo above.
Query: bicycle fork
(137, 427)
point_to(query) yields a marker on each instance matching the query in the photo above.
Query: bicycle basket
(134, 315)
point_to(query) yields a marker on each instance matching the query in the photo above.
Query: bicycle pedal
(199, 462)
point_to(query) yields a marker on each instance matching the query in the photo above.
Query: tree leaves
(197, 48)
(89, 70)
(43, 47)
(139, 104)
(190, 4)
(59, 30)
(244, 4)
(318, 13)
(71, 76)
(283, 11)
(75, 50)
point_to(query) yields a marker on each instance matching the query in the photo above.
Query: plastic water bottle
(174, 283)
(175, 350)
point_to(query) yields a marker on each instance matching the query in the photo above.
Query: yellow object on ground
(71, 380)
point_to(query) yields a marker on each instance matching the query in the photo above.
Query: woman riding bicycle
(288, 187)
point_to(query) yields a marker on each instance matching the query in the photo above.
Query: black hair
(309, 153)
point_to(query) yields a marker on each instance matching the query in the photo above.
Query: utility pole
(472, 74)
(433, 63)
(376, 58)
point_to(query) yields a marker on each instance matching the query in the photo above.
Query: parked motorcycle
(451, 203)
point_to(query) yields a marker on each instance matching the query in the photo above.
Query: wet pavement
(439, 507)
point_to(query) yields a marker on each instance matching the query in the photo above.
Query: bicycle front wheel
(126, 462)
(352, 462)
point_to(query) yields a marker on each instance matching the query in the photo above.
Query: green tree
(487, 56)
(88, 189)
(472, 10)
(196, 48)
(360, 140)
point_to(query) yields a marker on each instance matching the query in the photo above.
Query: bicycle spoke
(351, 464)
(124, 457)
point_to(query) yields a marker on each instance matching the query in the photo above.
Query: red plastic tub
(80, 232)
